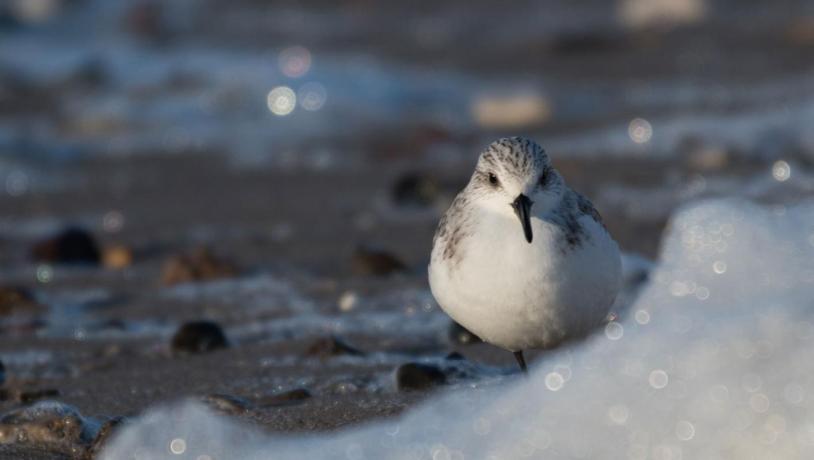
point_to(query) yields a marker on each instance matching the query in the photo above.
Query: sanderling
(535, 283)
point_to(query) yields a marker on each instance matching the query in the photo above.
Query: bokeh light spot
(642, 317)
(640, 130)
(685, 430)
(312, 96)
(719, 267)
(658, 379)
(178, 446)
(759, 403)
(794, 393)
(45, 274)
(295, 61)
(554, 381)
(281, 100)
(618, 414)
(781, 171)
(113, 221)
(614, 330)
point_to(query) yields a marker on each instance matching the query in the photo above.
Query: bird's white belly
(519, 295)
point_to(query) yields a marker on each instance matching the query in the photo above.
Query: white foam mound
(716, 361)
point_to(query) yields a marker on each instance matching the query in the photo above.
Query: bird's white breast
(520, 295)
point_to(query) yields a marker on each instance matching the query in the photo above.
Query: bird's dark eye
(493, 179)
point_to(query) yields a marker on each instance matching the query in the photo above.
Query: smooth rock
(417, 376)
(198, 337)
(70, 246)
(104, 433)
(198, 265)
(48, 423)
(29, 396)
(227, 404)
(285, 398)
(415, 189)
(332, 346)
(455, 356)
(368, 261)
(15, 299)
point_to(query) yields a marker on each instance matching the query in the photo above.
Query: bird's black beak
(522, 207)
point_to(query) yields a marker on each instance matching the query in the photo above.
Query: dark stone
(15, 299)
(70, 246)
(198, 337)
(332, 346)
(368, 261)
(455, 356)
(105, 431)
(417, 376)
(29, 396)
(461, 335)
(227, 404)
(285, 398)
(47, 423)
(415, 189)
(199, 265)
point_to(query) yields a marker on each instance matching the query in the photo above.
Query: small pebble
(415, 189)
(14, 299)
(105, 431)
(347, 301)
(70, 246)
(49, 423)
(29, 396)
(417, 376)
(461, 335)
(227, 404)
(199, 265)
(375, 262)
(285, 398)
(198, 337)
(332, 346)
(117, 257)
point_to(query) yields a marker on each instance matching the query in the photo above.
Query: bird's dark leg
(518, 355)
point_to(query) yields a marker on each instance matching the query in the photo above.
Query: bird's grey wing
(453, 227)
(586, 207)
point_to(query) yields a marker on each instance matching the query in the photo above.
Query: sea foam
(713, 361)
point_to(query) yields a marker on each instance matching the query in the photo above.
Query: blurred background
(278, 169)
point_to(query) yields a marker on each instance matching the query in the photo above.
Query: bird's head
(514, 176)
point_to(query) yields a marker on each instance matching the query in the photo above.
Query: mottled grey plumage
(515, 156)
(520, 259)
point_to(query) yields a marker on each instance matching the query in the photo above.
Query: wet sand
(103, 339)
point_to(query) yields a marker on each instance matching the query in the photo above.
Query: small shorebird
(519, 258)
